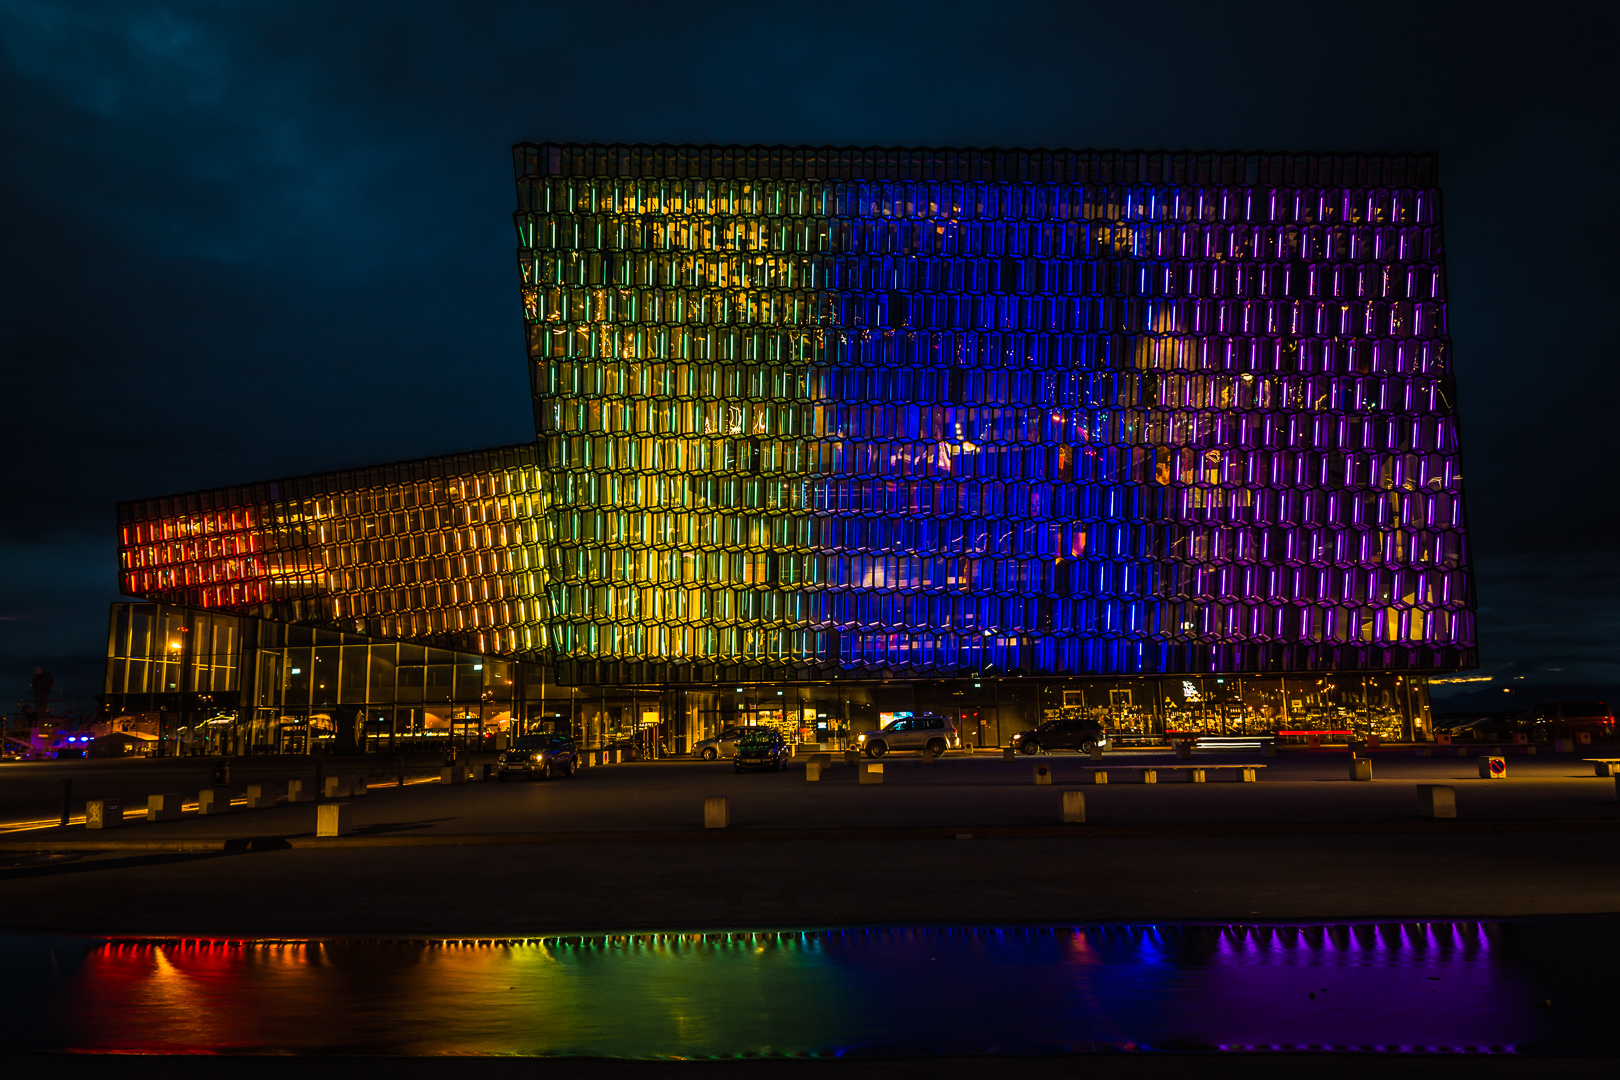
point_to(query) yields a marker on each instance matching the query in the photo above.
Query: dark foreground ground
(967, 841)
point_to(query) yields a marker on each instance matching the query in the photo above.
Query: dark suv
(1079, 735)
(538, 757)
(1566, 719)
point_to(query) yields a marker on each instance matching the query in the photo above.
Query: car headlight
(861, 737)
(1018, 736)
(538, 755)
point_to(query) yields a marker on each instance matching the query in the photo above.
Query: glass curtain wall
(882, 413)
(443, 551)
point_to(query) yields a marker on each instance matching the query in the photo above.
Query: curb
(996, 832)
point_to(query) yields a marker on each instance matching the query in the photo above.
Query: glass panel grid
(1087, 414)
(444, 550)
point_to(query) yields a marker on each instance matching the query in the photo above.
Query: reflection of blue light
(1379, 988)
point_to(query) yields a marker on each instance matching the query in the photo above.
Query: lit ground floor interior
(199, 682)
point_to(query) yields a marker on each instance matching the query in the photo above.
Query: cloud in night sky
(247, 241)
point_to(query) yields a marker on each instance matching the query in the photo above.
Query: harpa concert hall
(826, 435)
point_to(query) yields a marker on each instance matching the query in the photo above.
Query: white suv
(926, 732)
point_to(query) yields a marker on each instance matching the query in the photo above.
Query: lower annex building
(825, 435)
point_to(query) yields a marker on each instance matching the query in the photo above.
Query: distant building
(824, 435)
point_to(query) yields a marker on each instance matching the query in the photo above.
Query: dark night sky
(243, 241)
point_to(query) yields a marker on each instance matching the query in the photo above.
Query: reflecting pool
(1463, 987)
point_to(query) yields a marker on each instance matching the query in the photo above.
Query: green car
(761, 749)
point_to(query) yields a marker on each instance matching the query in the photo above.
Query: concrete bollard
(1422, 751)
(103, 814)
(1563, 746)
(1184, 749)
(1247, 776)
(261, 796)
(214, 800)
(871, 772)
(1008, 754)
(1268, 748)
(1437, 800)
(1493, 768)
(337, 787)
(1096, 752)
(1150, 776)
(359, 786)
(1603, 768)
(1074, 806)
(334, 819)
(1043, 775)
(165, 807)
(715, 813)
(812, 770)
(1099, 776)
(824, 761)
(1360, 769)
(300, 791)
(852, 757)
(1196, 776)
(452, 774)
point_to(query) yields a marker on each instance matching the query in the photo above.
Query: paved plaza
(969, 839)
(956, 792)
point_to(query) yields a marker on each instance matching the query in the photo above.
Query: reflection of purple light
(1049, 989)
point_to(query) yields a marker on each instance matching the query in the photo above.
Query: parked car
(538, 757)
(761, 748)
(1079, 735)
(1458, 726)
(721, 745)
(1567, 719)
(926, 732)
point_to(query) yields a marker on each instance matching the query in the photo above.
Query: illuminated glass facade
(823, 435)
(812, 413)
(441, 551)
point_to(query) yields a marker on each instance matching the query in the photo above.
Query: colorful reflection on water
(1423, 987)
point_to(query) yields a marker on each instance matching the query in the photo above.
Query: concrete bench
(261, 796)
(165, 807)
(334, 819)
(103, 814)
(1604, 766)
(1196, 774)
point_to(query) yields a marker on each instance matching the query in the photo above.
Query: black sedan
(1061, 735)
(538, 757)
(762, 749)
